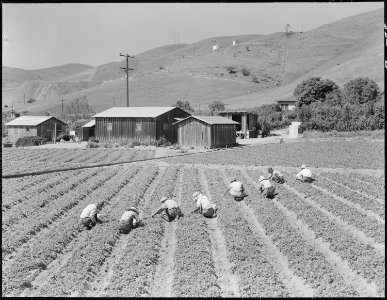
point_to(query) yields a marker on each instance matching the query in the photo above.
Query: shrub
(107, 145)
(162, 142)
(231, 69)
(136, 143)
(254, 79)
(30, 141)
(93, 139)
(64, 136)
(245, 71)
(91, 144)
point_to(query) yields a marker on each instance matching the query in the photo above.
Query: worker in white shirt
(266, 188)
(130, 219)
(90, 215)
(204, 206)
(276, 175)
(236, 189)
(305, 175)
(170, 210)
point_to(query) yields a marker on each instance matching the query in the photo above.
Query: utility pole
(24, 98)
(126, 70)
(62, 106)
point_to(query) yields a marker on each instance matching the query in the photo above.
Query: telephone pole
(62, 106)
(126, 70)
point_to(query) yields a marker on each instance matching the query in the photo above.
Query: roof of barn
(212, 120)
(89, 124)
(134, 112)
(31, 120)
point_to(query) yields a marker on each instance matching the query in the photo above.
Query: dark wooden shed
(88, 130)
(43, 126)
(138, 123)
(206, 131)
(247, 127)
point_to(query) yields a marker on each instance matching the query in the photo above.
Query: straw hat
(163, 199)
(232, 179)
(195, 195)
(303, 166)
(133, 208)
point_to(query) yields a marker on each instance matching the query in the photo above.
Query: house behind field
(206, 131)
(138, 123)
(286, 105)
(43, 126)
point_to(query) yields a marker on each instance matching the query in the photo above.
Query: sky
(37, 36)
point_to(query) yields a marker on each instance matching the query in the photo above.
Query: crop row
(361, 257)
(257, 277)
(11, 198)
(81, 267)
(304, 259)
(41, 251)
(330, 154)
(195, 273)
(349, 214)
(53, 159)
(373, 189)
(372, 180)
(40, 202)
(133, 274)
(364, 202)
(33, 218)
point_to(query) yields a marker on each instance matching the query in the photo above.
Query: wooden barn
(43, 126)
(206, 131)
(138, 123)
(247, 127)
(88, 130)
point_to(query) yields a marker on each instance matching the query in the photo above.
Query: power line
(126, 70)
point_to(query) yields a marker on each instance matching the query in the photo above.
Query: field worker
(90, 215)
(305, 175)
(204, 205)
(265, 187)
(130, 219)
(276, 175)
(236, 189)
(170, 208)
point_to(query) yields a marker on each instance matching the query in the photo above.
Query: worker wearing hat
(90, 215)
(204, 206)
(130, 219)
(266, 188)
(236, 189)
(170, 210)
(275, 175)
(305, 175)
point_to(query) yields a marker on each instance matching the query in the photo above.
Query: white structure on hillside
(293, 130)
(234, 43)
(215, 47)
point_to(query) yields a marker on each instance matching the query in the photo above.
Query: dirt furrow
(296, 286)
(227, 281)
(360, 235)
(349, 203)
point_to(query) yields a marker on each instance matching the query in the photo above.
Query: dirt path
(295, 285)
(227, 281)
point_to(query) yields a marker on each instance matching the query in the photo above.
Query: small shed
(206, 131)
(88, 130)
(43, 126)
(247, 127)
(138, 123)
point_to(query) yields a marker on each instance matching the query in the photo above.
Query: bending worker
(204, 206)
(90, 215)
(236, 189)
(305, 175)
(266, 188)
(170, 210)
(130, 219)
(276, 175)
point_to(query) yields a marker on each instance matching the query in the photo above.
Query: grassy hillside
(341, 51)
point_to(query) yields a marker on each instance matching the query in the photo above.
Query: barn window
(138, 126)
(109, 126)
(27, 129)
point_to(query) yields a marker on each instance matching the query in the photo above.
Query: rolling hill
(342, 50)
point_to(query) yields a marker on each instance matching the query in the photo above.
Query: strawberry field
(321, 239)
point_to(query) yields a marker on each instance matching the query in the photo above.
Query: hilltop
(342, 50)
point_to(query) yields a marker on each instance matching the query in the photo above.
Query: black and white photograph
(193, 149)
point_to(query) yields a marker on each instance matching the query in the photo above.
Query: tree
(184, 105)
(216, 106)
(315, 89)
(361, 90)
(47, 113)
(77, 109)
